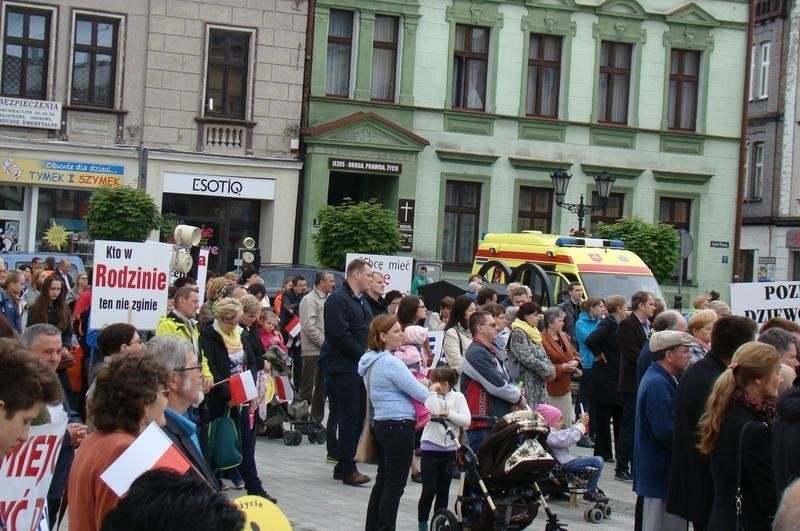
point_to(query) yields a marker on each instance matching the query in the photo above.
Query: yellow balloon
(262, 515)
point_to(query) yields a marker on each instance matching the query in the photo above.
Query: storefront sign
(371, 166)
(60, 173)
(396, 270)
(40, 114)
(219, 185)
(761, 301)
(405, 223)
(130, 283)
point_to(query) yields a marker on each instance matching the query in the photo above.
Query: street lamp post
(604, 183)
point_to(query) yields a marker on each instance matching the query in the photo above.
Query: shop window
(544, 75)
(470, 67)
(26, 48)
(615, 82)
(535, 210)
(226, 75)
(60, 225)
(609, 213)
(461, 218)
(678, 213)
(94, 60)
(340, 51)
(684, 78)
(12, 197)
(384, 58)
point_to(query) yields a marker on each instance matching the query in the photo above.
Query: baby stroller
(280, 407)
(499, 489)
(574, 483)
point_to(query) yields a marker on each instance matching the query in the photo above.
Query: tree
(364, 227)
(122, 213)
(657, 244)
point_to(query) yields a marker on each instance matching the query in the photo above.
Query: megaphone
(181, 262)
(248, 243)
(186, 235)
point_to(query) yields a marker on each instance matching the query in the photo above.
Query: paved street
(301, 480)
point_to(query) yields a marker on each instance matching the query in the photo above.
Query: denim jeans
(395, 441)
(351, 403)
(476, 437)
(436, 479)
(580, 463)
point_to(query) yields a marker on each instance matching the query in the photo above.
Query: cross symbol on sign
(406, 208)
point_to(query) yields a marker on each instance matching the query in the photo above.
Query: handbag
(739, 521)
(367, 450)
(224, 444)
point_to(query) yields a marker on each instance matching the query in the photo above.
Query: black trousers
(603, 414)
(436, 479)
(627, 427)
(395, 441)
(351, 403)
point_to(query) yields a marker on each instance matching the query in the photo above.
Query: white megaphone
(248, 243)
(186, 235)
(181, 262)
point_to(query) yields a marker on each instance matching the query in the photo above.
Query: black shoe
(596, 496)
(623, 476)
(355, 479)
(264, 494)
(586, 442)
(337, 474)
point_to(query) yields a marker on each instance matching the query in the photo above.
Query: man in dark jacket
(347, 319)
(572, 309)
(374, 294)
(691, 490)
(290, 308)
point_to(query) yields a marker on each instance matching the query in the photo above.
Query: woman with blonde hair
(736, 432)
(700, 325)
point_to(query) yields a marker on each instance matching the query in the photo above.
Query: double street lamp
(603, 181)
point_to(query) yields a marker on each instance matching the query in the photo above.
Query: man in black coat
(347, 319)
(691, 490)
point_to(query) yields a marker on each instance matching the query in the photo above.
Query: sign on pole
(396, 270)
(761, 301)
(130, 283)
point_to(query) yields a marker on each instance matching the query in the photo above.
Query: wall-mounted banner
(762, 301)
(59, 172)
(21, 112)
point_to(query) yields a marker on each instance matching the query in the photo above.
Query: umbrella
(434, 292)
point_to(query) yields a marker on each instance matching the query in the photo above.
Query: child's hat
(552, 415)
(415, 335)
(408, 354)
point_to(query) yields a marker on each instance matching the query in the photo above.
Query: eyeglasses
(196, 368)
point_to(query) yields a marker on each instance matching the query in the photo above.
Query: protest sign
(202, 273)
(130, 283)
(25, 476)
(436, 341)
(396, 270)
(761, 301)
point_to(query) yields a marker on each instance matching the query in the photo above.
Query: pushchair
(499, 489)
(279, 407)
(573, 483)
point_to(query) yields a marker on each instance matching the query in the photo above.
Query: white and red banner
(283, 389)
(25, 476)
(202, 274)
(293, 327)
(243, 387)
(151, 449)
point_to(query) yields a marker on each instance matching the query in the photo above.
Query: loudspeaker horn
(248, 243)
(186, 235)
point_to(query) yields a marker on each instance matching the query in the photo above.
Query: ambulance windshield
(603, 285)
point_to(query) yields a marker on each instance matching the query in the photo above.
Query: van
(14, 260)
(547, 263)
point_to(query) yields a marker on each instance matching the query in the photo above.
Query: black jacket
(631, 339)
(347, 320)
(691, 490)
(759, 499)
(187, 447)
(605, 375)
(786, 440)
(377, 306)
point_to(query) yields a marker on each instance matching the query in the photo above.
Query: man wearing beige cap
(655, 412)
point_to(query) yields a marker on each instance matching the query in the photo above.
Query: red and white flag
(152, 449)
(243, 387)
(283, 389)
(293, 327)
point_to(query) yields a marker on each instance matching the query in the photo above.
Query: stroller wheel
(288, 437)
(322, 436)
(607, 511)
(297, 437)
(444, 520)
(587, 514)
(595, 515)
(312, 437)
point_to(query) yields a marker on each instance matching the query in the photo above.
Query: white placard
(130, 283)
(41, 114)
(396, 270)
(436, 342)
(202, 273)
(219, 186)
(761, 301)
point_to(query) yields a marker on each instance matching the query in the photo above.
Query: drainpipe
(742, 140)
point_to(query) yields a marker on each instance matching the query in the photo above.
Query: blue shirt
(189, 427)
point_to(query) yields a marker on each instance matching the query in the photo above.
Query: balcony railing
(222, 135)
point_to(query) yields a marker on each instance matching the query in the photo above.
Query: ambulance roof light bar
(570, 241)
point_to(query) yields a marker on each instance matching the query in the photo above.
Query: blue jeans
(247, 470)
(579, 464)
(476, 437)
(395, 441)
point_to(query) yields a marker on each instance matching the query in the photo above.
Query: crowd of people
(696, 411)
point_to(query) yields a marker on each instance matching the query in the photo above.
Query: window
(25, 53)
(94, 60)
(752, 71)
(684, 77)
(226, 78)
(384, 58)
(763, 70)
(747, 259)
(470, 67)
(461, 216)
(678, 213)
(615, 79)
(756, 173)
(544, 75)
(535, 209)
(340, 48)
(608, 214)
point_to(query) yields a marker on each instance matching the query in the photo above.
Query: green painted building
(464, 108)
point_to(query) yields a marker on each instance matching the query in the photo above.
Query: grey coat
(535, 367)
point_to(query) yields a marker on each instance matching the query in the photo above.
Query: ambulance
(549, 262)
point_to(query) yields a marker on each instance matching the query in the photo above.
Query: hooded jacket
(391, 386)
(586, 325)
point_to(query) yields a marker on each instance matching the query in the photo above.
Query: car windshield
(603, 285)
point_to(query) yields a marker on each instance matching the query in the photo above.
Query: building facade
(198, 102)
(462, 110)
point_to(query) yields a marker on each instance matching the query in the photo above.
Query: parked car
(14, 260)
(274, 274)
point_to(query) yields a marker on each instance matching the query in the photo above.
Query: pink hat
(408, 354)
(552, 415)
(415, 335)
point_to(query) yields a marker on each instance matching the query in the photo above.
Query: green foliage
(122, 213)
(364, 227)
(657, 244)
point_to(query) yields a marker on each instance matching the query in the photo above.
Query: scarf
(532, 333)
(764, 410)
(233, 340)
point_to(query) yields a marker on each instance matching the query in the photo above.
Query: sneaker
(586, 442)
(355, 479)
(596, 497)
(623, 476)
